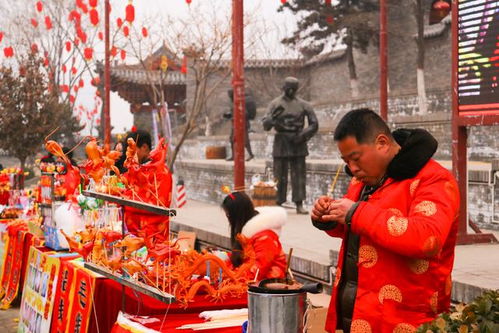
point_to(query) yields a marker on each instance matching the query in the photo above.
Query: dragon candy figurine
(185, 275)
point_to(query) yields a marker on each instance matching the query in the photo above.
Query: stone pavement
(476, 266)
(9, 320)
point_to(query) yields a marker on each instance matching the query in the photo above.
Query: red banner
(13, 270)
(7, 265)
(81, 301)
(62, 306)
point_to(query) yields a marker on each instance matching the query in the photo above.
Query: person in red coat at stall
(262, 227)
(398, 222)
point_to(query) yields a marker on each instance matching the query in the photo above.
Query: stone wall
(204, 178)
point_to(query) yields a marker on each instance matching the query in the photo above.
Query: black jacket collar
(417, 148)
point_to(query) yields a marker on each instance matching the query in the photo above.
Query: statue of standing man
(286, 114)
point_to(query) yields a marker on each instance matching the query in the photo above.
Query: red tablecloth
(108, 303)
(172, 321)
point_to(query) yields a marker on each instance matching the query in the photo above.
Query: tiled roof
(141, 76)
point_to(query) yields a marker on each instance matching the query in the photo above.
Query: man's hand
(321, 208)
(337, 210)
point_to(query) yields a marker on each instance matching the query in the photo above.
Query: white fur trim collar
(268, 218)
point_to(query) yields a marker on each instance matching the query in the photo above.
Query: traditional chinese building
(136, 83)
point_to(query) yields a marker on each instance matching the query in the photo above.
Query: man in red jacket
(398, 222)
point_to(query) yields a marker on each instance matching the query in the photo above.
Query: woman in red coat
(262, 227)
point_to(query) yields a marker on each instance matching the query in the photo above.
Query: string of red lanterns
(130, 12)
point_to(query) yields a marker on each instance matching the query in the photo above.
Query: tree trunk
(422, 101)
(22, 159)
(354, 84)
(207, 130)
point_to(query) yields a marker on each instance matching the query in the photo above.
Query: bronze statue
(286, 114)
(250, 108)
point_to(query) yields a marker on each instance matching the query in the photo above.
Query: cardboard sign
(186, 240)
(39, 292)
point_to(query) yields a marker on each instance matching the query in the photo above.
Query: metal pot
(278, 310)
(314, 288)
(274, 312)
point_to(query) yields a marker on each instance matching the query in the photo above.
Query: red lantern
(82, 6)
(81, 83)
(74, 70)
(65, 88)
(92, 3)
(441, 5)
(81, 35)
(77, 42)
(48, 23)
(8, 52)
(126, 31)
(46, 62)
(183, 69)
(145, 33)
(63, 68)
(1, 36)
(283, 1)
(100, 35)
(88, 52)
(114, 51)
(97, 93)
(71, 99)
(34, 23)
(123, 54)
(130, 12)
(68, 46)
(39, 6)
(439, 10)
(95, 81)
(94, 16)
(328, 2)
(188, 1)
(74, 16)
(119, 22)
(34, 48)
(75, 88)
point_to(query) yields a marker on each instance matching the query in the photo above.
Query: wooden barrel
(264, 196)
(215, 152)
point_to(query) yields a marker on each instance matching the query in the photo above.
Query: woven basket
(264, 195)
(215, 152)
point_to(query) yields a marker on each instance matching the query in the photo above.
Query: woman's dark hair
(239, 209)
(140, 137)
(69, 153)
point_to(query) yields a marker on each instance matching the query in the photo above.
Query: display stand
(124, 279)
(135, 285)
(132, 203)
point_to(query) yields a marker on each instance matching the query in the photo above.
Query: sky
(276, 26)
(281, 24)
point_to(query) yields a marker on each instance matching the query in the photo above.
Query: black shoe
(230, 158)
(301, 210)
(250, 157)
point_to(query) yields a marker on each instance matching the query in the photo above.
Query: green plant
(481, 316)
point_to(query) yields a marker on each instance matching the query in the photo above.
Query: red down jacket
(263, 232)
(407, 234)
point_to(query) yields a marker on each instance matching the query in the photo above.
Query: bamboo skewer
(289, 263)
(156, 188)
(333, 185)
